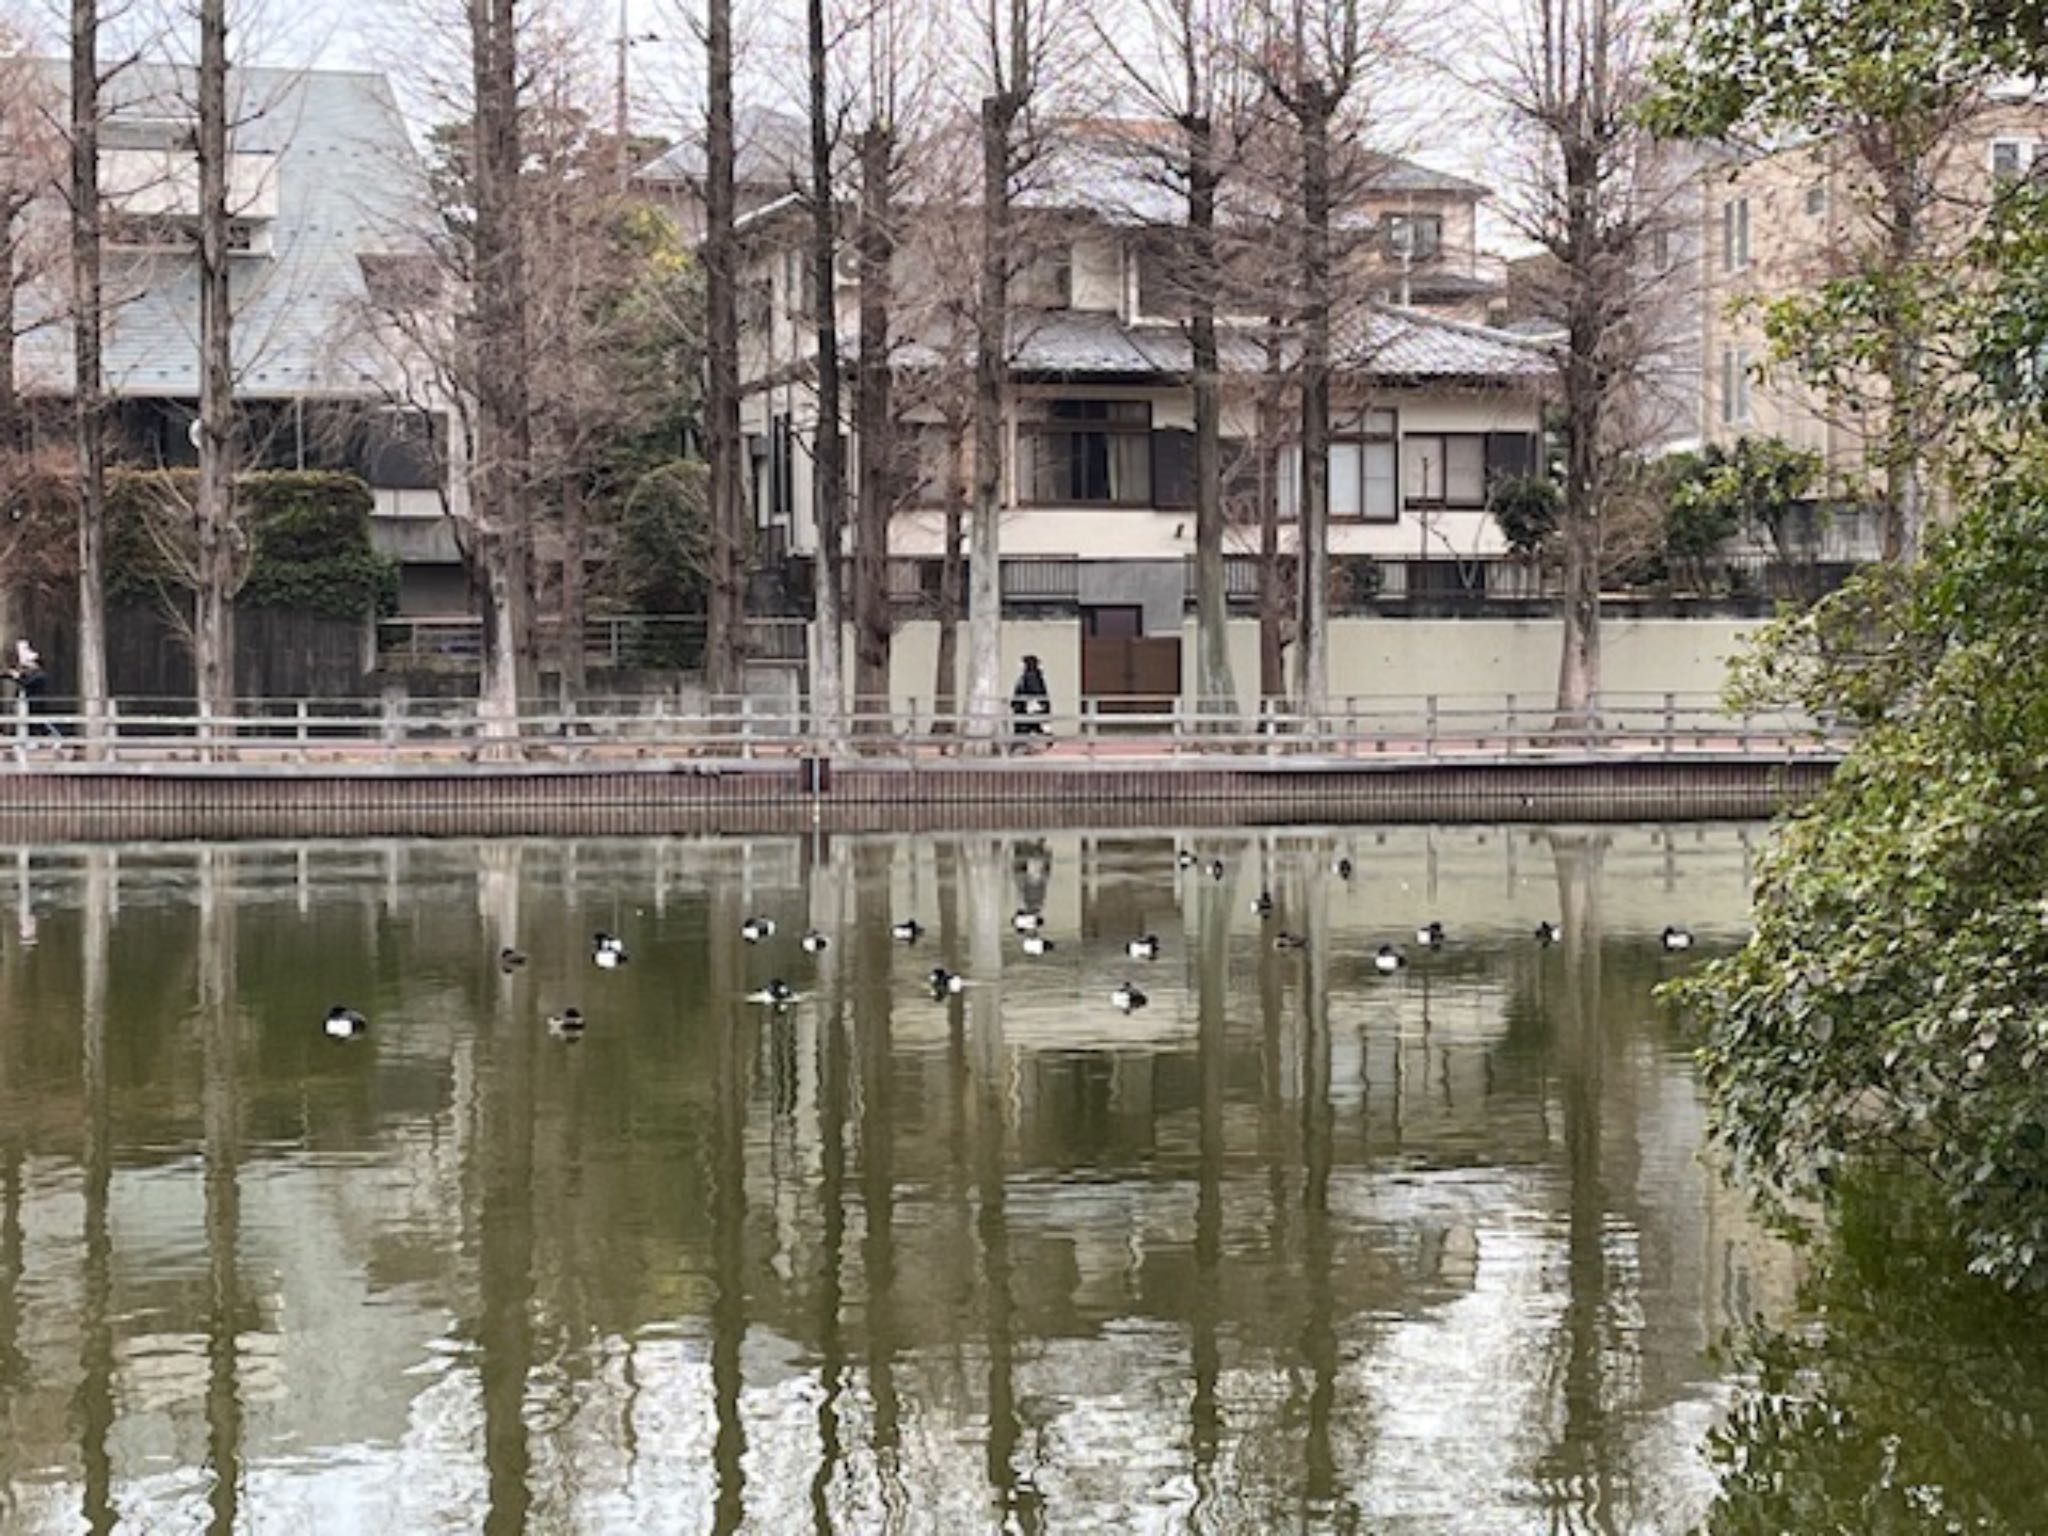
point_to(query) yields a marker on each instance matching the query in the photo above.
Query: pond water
(1294, 1245)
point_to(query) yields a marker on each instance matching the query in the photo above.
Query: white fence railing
(1382, 726)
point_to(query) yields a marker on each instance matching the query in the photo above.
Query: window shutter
(1173, 467)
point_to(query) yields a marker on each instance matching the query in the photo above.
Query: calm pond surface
(1295, 1246)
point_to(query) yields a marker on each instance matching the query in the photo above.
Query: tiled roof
(770, 148)
(1376, 342)
(349, 185)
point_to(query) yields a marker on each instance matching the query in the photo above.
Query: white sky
(1429, 119)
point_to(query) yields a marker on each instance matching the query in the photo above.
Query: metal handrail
(391, 730)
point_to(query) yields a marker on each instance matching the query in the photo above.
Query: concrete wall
(1452, 658)
(913, 661)
(1474, 661)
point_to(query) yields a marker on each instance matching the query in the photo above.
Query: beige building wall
(1784, 223)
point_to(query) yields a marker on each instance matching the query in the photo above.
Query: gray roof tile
(349, 184)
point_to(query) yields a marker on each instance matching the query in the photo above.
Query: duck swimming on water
(1430, 935)
(815, 943)
(1677, 938)
(344, 1023)
(568, 1023)
(510, 959)
(1037, 944)
(777, 994)
(607, 952)
(1547, 933)
(1146, 948)
(945, 983)
(1027, 921)
(1388, 960)
(755, 929)
(907, 932)
(1262, 904)
(1127, 997)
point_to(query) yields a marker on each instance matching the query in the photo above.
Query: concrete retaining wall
(85, 802)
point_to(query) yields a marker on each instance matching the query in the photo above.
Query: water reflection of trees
(950, 1228)
(1912, 1400)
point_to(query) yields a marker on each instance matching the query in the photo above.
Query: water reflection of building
(1440, 1247)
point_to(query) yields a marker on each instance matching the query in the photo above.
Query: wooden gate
(1131, 674)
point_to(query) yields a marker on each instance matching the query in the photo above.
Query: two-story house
(324, 186)
(1097, 478)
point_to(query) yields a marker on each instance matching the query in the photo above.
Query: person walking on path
(31, 682)
(1031, 702)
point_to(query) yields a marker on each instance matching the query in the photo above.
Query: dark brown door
(1124, 670)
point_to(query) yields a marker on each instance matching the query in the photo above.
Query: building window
(1086, 451)
(781, 468)
(1444, 469)
(1735, 234)
(1046, 280)
(1362, 468)
(2012, 159)
(1163, 280)
(1817, 199)
(1414, 236)
(1734, 385)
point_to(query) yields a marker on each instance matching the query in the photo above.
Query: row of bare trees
(1254, 117)
(1255, 120)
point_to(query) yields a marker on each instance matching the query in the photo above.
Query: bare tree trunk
(875, 428)
(574, 596)
(1273, 604)
(504, 421)
(88, 380)
(828, 462)
(725, 620)
(1585, 390)
(946, 673)
(1314, 559)
(985, 569)
(1215, 688)
(13, 437)
(213, 617)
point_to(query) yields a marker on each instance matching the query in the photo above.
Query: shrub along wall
(315, 585)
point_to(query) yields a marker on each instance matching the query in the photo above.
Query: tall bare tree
(31, 163)
(875, 434)
(213, 618)
(1189, 76)
(1572, 79)
(88, 388)
(1012, 65)
(725, 626)
(1317, 60)
(504, 436)
(828, 454)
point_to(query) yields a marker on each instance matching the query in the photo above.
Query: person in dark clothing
(1031, 700)
(31, 682)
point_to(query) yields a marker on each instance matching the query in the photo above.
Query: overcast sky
(1427, 118)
